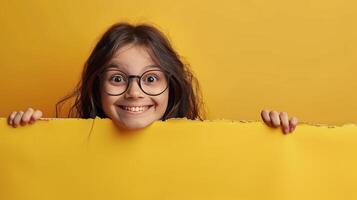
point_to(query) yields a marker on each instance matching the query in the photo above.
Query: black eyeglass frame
(167, 76)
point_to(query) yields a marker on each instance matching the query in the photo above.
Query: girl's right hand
(22, 118)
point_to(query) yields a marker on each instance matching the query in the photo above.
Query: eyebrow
(114, 65)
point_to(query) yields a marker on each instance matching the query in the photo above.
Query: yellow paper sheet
(177, 159)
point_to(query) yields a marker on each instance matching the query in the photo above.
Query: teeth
(135, 108)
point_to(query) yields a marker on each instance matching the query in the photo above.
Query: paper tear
(217, 120)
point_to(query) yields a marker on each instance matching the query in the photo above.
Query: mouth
(135, 109)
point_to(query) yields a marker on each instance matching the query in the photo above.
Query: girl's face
(133, 109)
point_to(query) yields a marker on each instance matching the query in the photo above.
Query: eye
(150, 78)
(153, 77)
(117, 79)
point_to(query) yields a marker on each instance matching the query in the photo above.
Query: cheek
(106, 103)
(163, 102)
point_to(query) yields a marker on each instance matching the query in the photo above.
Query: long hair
(185, 98)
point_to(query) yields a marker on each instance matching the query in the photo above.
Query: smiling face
(133, 109)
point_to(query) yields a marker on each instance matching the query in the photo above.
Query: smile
(135, 109)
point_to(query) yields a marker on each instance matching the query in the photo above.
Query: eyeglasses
(151, 82)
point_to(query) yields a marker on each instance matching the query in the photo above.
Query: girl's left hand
(275, 119)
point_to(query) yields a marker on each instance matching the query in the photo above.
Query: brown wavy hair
(185, 98)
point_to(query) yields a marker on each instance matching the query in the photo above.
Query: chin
(133, 125)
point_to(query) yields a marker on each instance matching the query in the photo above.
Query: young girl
(134, 77)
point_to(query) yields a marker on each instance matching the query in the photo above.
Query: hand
(22, 118)
(275, 119)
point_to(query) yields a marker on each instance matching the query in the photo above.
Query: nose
(134, 90)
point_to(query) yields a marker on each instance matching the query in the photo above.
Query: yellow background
(298, 56)
(178, 159)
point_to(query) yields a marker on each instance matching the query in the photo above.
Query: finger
(11, 117)
(284, 119)
(35, 116)
(274, 116)
(27, 116)
(17, 119)
(265, 116)
(293, 123)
